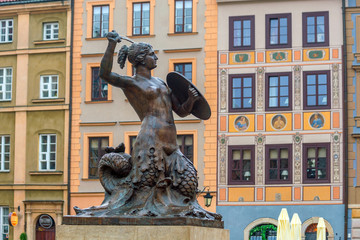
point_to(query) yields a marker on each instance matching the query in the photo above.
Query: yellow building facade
(34, 112)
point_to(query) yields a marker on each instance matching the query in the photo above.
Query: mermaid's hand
(113, 36)
(193, 94)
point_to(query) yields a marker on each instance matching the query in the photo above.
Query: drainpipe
(70, 105)
(345, 117)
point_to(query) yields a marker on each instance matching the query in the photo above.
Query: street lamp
(208, 198)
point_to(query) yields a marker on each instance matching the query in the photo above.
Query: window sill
(95, 39)
(90, 179)
(94, 102)
(6, 100)
(6, 42)
(48, 100)
(141, 36)
(40, 173)
(49, 41)
(5, 171)
(182, 34)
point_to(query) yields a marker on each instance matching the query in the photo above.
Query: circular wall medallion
(316, 120)
(241, 123)
(45, 221)
(278, 122)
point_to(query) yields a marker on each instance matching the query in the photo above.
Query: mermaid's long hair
(135, 53)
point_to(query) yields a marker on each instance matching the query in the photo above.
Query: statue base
(146, 228)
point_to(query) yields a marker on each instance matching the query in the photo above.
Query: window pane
(322, 100)
(284, 91)
(311, 100)
(236, 82)
(273, 163)
(273, 81)
(237, 93)
(273, 174)
(273, 91)
(247, 102)
(274, 153)
(284, 101)
(247, 154)
(247, 82)
(247, 92)
(236, 103)
(284, 163)
(236, 155)
(273, 102)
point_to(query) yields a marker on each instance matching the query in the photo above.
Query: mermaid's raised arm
(107, 63)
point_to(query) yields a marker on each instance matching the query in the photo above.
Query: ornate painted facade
(280, 119)
(102, 115)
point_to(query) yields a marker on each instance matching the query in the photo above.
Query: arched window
(311, 230)
(263, 232)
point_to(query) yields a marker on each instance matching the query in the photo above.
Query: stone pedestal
(94, 228)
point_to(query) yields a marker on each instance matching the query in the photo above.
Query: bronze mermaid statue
(157, 180)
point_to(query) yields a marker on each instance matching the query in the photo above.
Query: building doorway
(311, 230)
(45, 228)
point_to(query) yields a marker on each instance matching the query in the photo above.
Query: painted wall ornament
(223, 90)
(241, 123)
(260, 72)
(317, 120)
(157, 179)
(297, 87)
(278, 122)
(335, 142)
(297, 139)
(260, 154)
(223, 142)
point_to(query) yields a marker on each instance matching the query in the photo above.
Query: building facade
(352, 18)
(280, 116)
(34, 113)
(102, 115)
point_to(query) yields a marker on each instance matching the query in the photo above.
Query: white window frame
(5, 35)
(48, 87)
(4, 220)
(6, 84)
(44, 157)
(3, 153)
(54, 31)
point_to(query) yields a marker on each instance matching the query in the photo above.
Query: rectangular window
(316, 162)
(6, 30)
(185, 69)
(97, 147)
(49, 86)
(241, 165)
(183, 16)
(316, 29)
(132, 142)
(278, 91)
(5, 84)
(4, 222)
(4, 153)
(51, 31)
(47, 152)
(278, 163)
(141, 18)
(242, 33)
(99, 88)
(242, 92)
(186, 145)
(317, 90)
(100, 21)
(278, 31)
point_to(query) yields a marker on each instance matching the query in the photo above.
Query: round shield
(179, 85)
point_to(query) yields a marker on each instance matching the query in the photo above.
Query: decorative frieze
(223, 90)
(223, 142)
(259, 165)
(297, 87)
(297, 139)
(260, 89)
(335, 142)
(335, 85)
